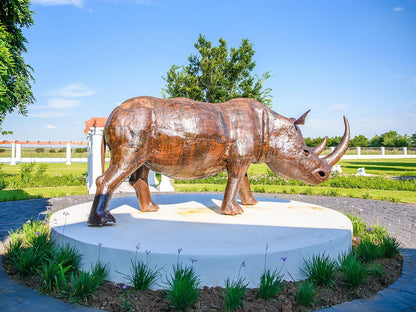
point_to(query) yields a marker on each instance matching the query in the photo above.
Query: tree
(15, 75)
(375, 141)
(217, 75)
(413, 140)
(359, 140)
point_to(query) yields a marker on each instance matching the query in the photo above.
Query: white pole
(18, 153)
(68, 153)
(12, 159)
(94, 157)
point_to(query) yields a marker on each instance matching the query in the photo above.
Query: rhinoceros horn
(320, 147)
(333, 158)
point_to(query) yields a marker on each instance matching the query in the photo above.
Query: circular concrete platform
(191, 223)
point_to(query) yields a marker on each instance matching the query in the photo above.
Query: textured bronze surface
(185, 139)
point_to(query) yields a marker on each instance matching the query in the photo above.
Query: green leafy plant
(306, 293)
(320, 269)
(375, 269)
(183, 288)
(270, 284)
(234, 293)
(367, 251)
(142, 276)
(390, 247)
(53, 275)
(82, 285)
(354, 271)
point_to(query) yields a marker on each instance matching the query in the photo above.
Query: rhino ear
(301, 119)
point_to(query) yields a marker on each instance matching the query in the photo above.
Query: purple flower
(361, 209)
(193, 260)
(369, 229)
(179, 251)
(267, 246)
(243, 264)
(100, 244)
(138, 246)
(37, 233)
(28, 221)
(66, 213)
(124, 286)
(284, 259)
(147, 251)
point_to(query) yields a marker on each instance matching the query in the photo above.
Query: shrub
(354, 271)
(234, 293)
(390, 247)
(39, 150)
(367, 251)
(320, 269)
(183, 288)
(142, 277)
(82, 285)
(53, 274)
(306, 293)
(270, 284)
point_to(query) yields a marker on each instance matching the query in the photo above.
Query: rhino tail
(103, 145)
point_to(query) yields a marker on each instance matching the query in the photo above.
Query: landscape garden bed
(33, 260)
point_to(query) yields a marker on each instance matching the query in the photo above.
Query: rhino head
(289, 156)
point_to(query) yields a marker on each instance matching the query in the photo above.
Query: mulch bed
(112, 297)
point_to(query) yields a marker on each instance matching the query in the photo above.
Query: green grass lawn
(381, 167)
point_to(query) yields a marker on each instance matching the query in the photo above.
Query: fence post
(68, 153)
(405, 151)
(358, 149)
(18, 153)
(13, 159)
(95, 135)
(383, 150)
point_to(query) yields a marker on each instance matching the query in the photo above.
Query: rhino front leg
(236, 171)
(106, 184)
(245, 192)
(139, 180)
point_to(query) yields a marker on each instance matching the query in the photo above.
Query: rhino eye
(306, 152)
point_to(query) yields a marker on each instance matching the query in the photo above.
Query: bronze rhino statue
(186, 139)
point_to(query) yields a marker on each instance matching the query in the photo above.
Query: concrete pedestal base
(192, 223)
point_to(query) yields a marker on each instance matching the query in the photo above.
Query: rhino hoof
(232, 209)
(98, 220)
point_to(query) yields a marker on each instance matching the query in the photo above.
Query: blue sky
(352, 58)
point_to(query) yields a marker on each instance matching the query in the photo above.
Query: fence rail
(66, 152)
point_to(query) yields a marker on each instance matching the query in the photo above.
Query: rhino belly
(182, 157)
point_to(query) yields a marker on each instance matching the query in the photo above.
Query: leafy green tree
(15, 75)
(375, 141)
(334, 141)
(359, 140)
(412, 140)
(217, 74)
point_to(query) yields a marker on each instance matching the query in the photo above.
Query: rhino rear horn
(301, 119)
(320, 147)
(339, 151)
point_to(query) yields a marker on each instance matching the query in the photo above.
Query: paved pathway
(400, 219)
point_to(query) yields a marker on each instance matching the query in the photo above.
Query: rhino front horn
(339, 151)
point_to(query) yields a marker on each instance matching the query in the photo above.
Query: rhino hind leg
(246, 196)
(106, 184)
(139, 181)
(236, 172)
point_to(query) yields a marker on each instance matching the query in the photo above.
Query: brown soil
(112, 297)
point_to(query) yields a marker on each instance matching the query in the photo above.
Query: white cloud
(398, 9)
(49, 114)
(62, 103)
(77, 3)
(73, 90)
(338, 107)
(50, 126)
